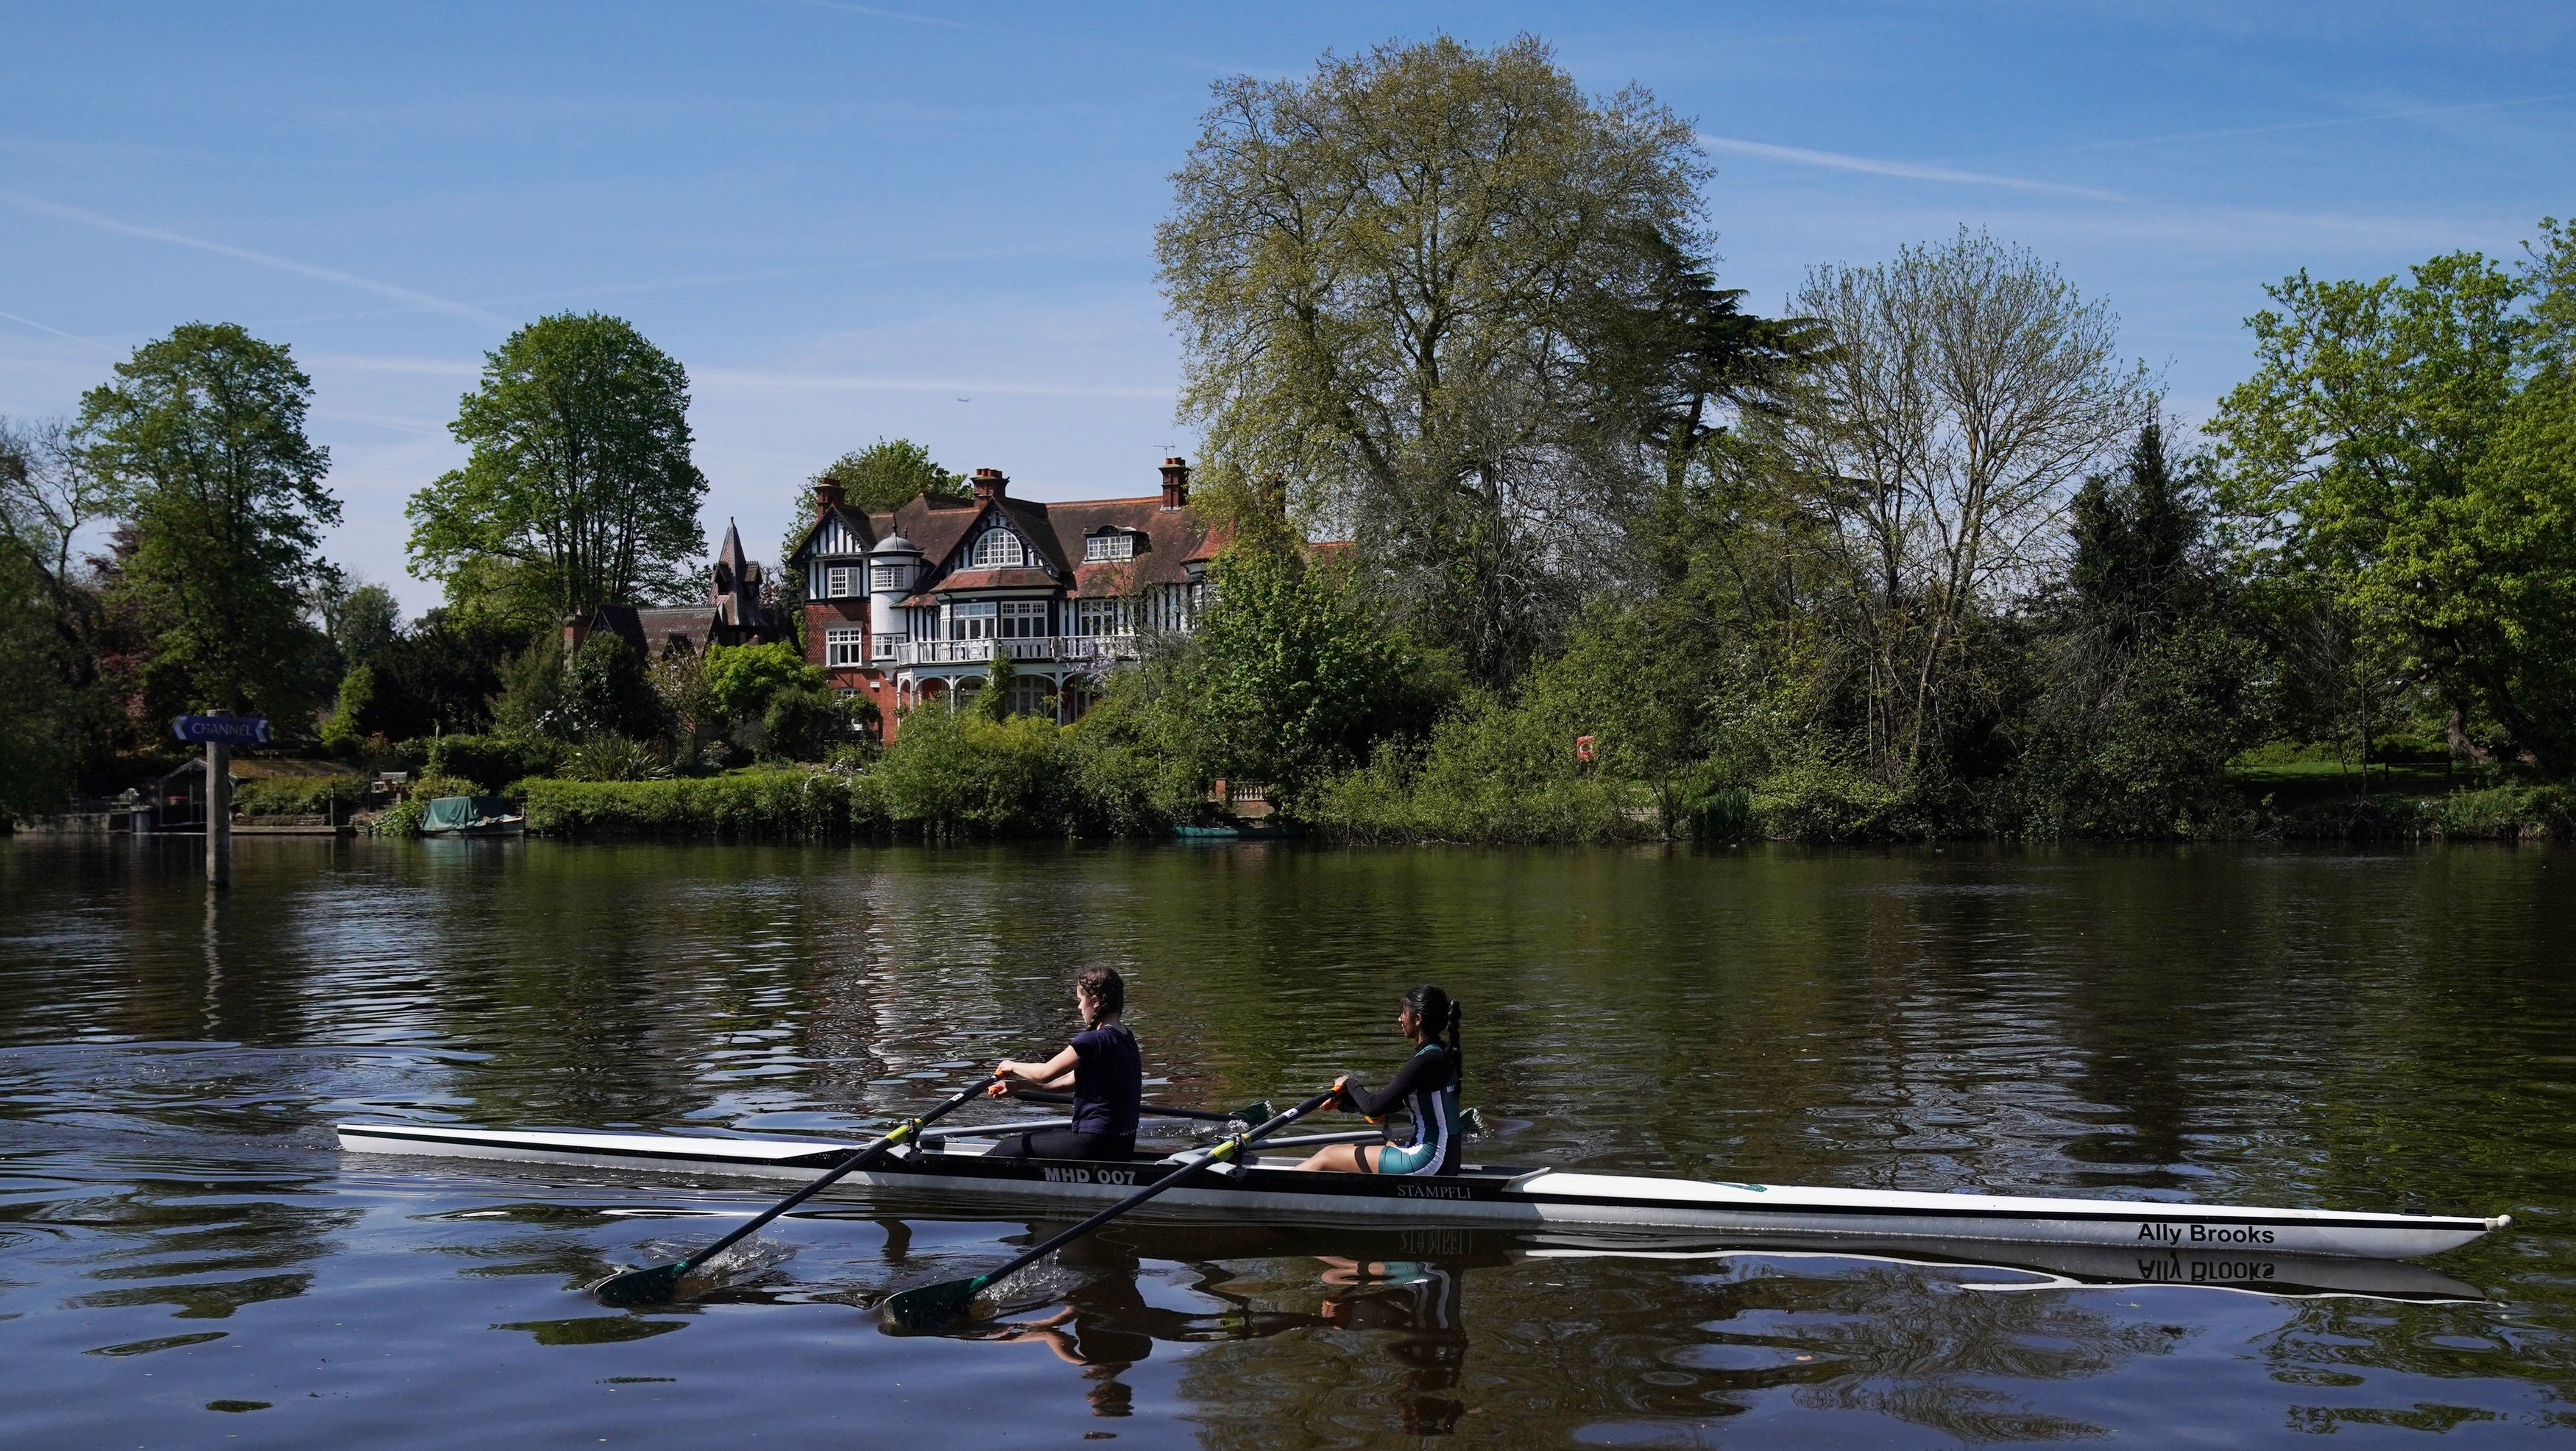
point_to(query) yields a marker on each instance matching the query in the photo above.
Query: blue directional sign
(230, 730)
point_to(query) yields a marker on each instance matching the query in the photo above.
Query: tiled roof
(1169, 541)
(985, 579)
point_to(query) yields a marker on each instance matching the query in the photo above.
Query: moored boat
(953, 1166)
(471, 816)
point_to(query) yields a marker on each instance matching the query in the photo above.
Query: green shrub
(808, 723)
(738, 681)
(963, 774)
(789, 805)
(490, 762)
(2506, 813)
(1818, 800)
(613, 758)
(1489, 774)
(960, 773)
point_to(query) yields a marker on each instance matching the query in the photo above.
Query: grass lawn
(2291, 783)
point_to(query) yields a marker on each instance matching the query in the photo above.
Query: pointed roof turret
(735, 596)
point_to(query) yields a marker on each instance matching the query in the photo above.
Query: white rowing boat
(1268, 1188)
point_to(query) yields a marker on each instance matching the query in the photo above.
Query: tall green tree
(580, 470)
(2148, 684)
(361, 620)
(1391, 279)
(200, 445)
(888, 473)
(2400, 448)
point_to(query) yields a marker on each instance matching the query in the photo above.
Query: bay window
(841, 645)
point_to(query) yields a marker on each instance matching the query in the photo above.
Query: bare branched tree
(46, 498)
(1968, 389)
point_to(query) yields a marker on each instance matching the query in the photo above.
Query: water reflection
(2380, 1032)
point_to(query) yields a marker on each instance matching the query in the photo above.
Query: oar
(1250, 1113)
(657, 1283)
(930, 1307)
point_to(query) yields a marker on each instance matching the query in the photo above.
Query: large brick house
(910, 606)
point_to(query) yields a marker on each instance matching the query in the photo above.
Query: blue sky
(853, 221)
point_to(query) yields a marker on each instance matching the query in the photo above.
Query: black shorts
(1067, 1144)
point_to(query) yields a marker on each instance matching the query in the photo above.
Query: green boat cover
(463, 813)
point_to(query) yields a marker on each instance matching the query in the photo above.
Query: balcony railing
(1043, 649)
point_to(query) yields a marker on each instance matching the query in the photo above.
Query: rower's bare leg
(1344, 1159)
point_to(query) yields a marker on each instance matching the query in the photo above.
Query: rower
(1105, 1070)
(1426, 1087)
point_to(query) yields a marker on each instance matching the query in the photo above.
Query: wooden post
(219, 814)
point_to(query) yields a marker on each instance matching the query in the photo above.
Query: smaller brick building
(910, 606)
(732, 615)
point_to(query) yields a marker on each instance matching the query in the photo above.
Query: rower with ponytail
(1426, 1087)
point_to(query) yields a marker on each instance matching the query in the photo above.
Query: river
(186, 1259)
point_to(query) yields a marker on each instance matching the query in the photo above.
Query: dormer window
(1109, 548)
(999, 549)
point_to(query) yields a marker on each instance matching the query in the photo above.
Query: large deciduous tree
(199, 445)
(1400, 283)
(1968, 387)
(2403, 450)
(580, 474)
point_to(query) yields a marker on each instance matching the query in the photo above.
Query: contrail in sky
(1843, 161)
(283, 264)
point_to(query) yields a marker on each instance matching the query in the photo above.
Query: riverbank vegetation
(1537, 533)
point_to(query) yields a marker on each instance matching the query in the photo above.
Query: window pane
(841, 646)
(998, 549)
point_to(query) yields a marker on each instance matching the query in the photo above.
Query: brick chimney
(1176, 484)
(828, 494)
(990, 486)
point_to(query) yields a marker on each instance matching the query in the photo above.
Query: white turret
(893, 565)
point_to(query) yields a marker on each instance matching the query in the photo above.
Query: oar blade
(649, 1286)
(931, 1307)
(1254, 1113)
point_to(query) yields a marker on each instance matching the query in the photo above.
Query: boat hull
(1501, 1197)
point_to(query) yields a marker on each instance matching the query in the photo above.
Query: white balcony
(1039, 650)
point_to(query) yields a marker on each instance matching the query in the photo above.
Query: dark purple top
(1108, 1081)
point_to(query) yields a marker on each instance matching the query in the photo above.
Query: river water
(186, 1259)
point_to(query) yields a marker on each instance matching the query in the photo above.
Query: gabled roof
(855, 521)
(1169, 541)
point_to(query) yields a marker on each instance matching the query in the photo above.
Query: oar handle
(1225, 1148)
(1150, 1110)
(904, 1131)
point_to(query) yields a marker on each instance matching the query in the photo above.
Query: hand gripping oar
(929, 1307)
(657, 1283)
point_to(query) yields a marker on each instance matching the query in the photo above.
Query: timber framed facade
(910, 606)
